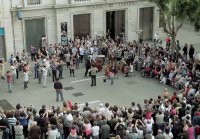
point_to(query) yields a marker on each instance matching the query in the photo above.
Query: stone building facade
(30, 20)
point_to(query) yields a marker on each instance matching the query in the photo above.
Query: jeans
(36, 73)
(10, 87)
(59, 93)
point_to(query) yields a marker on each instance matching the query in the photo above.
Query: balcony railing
(82, 0)
(34, 2)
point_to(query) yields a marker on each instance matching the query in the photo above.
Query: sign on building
(64, 38)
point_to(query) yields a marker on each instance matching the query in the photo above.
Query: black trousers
(86, 71)
(72, 72)
(81, 58)
(54, 76)
(93, 80)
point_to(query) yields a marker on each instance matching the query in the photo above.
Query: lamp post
(140, 38)
(139, 35)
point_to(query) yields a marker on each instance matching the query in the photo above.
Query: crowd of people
(165, 117)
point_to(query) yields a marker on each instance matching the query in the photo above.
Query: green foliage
(181, 9)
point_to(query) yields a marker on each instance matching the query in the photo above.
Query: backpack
(67, 123)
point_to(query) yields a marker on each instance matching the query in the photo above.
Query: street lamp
(139, 33)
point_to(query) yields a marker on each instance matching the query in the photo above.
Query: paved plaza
(78, 89)
(123, 92)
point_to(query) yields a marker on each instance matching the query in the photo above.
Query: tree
(172, 10)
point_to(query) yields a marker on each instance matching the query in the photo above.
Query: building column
(98, 23)
(7, 24)
(132, 23)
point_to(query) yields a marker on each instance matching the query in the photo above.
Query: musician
(87, 66)
(72, 67)
(60, 69)
(16, 64)
(93, 72)
(67, 58)
(36, 65)
(54, 70)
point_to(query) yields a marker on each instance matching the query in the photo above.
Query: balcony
(46, 3)
(32, 2)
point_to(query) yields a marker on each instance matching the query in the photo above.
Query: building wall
(55, 16)
(19, 26)
(7, 24)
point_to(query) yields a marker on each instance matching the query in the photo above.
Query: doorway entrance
(146, 22)
(115, 23)
(35, 30)
(81, 25)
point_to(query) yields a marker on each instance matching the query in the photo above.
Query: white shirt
(18, 129)
(26, 77)
(95, 130)
(52, 134)
(13, 69)
(44, 71)
(81, 51)
(102, 110)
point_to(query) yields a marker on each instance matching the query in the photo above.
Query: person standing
(58, 87)
(26, 79)
(60, 69)
(44, 76)
(54, 70)
(9, 81)
(13, 70)
(168, 41)
(34, 132)
(18, 131)
(185, 51)
(93, 72)
(72, 67)
(191, 52)
(36, 65)
(87, 67)
(33, 51)
(39, 71)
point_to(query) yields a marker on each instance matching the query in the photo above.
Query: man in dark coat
(191, 51)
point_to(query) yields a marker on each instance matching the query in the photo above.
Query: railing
(33, 2)
(82, 0)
